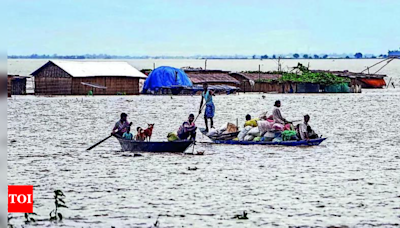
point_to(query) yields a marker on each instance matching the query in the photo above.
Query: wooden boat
(311, 142)
(138, 146)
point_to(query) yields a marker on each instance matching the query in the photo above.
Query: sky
(188, 27)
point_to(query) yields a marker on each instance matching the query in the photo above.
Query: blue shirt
(208, 97)
(127, 136)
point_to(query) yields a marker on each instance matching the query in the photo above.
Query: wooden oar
(199, 113)
(99, 142)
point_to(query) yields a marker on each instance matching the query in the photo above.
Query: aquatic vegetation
(304, 75)
(59, 203)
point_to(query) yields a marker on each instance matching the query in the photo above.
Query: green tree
(296, 56)
(358, 55)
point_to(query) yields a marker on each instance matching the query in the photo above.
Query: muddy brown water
(350, 179)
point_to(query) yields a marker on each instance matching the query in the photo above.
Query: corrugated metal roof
(197, 78)
(91, 69)
(256, 76)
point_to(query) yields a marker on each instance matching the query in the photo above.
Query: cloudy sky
(188, 27)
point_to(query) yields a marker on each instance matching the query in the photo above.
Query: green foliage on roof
(304, 75)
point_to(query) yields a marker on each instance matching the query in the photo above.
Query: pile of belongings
(225, 132)
(267, 130)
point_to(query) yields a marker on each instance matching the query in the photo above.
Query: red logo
(20, 199)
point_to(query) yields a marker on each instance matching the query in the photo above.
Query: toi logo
(20, 199)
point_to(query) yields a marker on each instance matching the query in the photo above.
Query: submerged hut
(61, 77)
(251, 82)
(166, 80)
(212, 77)
(16, 85)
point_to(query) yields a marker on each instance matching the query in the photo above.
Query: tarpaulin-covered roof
(165, 76)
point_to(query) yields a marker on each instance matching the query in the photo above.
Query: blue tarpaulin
(165, 76)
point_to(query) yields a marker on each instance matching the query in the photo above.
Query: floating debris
(242, 217)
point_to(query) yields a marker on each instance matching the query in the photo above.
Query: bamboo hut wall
(114, 85)
(53, 86)
(51, 80)
(18, 86)
(9, 85)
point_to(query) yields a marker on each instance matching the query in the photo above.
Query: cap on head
(307, 117)
(191, 116)
(123, 115)
(277, 103)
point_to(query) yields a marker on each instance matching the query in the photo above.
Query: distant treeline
(357, 55)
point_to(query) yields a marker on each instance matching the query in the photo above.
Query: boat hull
(158, 147)
(311, 142)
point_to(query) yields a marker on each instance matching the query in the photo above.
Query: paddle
(201, 109)
(194, 142)
(99, 142)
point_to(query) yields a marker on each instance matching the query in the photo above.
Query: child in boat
(127, 135)
(250, 122)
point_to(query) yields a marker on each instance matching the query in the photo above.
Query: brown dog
(148, 132)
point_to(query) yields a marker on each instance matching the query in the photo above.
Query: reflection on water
(351, 179)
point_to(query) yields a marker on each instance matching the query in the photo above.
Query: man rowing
(206, 95)
(121, 126)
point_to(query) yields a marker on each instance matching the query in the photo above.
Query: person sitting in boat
(121, 126)
(188, 129)
(250, 122)
(279, 122)
(304, 131)
(127, 135)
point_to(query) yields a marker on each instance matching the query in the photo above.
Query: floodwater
(351, 179)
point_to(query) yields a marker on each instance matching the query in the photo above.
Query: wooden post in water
(205, 65)
(259, 78)
(154, 66)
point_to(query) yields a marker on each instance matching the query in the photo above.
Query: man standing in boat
(210, 108)
(121, 126)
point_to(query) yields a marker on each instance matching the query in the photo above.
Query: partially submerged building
(64, 77)
(212, 77)
(16, 85)
(250, 82)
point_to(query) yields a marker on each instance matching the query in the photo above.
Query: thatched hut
(60, 77)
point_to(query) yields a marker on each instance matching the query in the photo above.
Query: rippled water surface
(351, 179)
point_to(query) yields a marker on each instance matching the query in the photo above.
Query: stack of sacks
(264, 126)
(253, 133)
(243, 133)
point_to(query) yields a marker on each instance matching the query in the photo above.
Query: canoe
(137, 146)
(311, 142)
